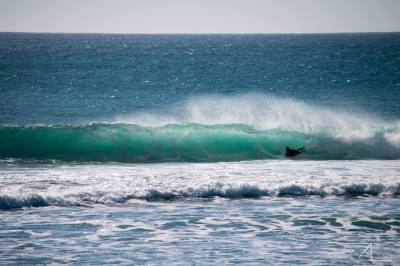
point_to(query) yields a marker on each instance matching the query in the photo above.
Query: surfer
(294, 152)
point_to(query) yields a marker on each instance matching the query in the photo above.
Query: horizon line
(199, 33)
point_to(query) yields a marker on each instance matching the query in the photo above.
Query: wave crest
(188, 143)
(211, 129)
(219, 190)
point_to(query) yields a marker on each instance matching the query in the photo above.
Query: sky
(199, 16)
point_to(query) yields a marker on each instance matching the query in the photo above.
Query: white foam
(113, 183)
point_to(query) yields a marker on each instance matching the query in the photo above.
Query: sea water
(169, 149)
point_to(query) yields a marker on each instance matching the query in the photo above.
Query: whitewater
(211, 171)
(85, 185)
(119, 213)
(170, 149)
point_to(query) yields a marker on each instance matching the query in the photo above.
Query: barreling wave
(189, 143)
(208, 192)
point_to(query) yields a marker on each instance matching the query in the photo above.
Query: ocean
(170, 149)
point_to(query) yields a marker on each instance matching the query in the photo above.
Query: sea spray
(258, 110)
(211, 129)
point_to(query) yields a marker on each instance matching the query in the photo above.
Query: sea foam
(85, 185)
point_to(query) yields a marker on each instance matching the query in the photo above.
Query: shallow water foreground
(209, 231)
(258, 212)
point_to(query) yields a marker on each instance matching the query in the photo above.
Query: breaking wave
(188, 143)
(207, 192)
(211, 129)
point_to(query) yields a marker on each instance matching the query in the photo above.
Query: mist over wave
(211, 129)
(259, 110)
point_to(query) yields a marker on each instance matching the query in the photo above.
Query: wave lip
(210, 129)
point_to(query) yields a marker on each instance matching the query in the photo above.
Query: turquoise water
(169, 149)
(191, 143)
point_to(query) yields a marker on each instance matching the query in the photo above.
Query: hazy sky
(200, 16)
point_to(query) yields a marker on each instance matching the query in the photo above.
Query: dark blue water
(169, 149)
(64, 78)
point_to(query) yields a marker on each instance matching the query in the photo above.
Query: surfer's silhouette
(294, 152)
